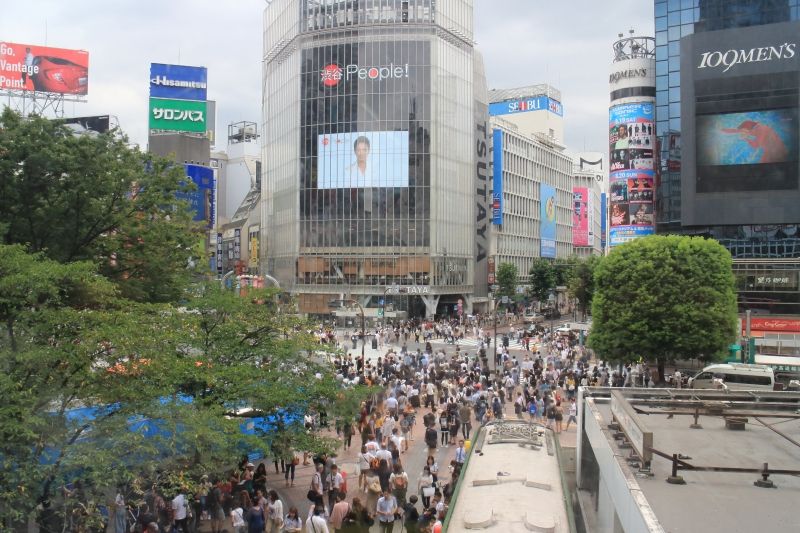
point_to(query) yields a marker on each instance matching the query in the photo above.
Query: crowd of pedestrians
(431, 398)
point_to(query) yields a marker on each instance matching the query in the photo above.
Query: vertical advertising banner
(201, 200)
(548, 220)
(632, 171)
(580, 216)
(603, 220)
(497, 178)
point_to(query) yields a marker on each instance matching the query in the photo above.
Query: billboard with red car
(26, 67)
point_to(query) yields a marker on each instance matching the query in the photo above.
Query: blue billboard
(179, 82)
(537, 103)
(547, 202)
(202, 199)
(497, 177)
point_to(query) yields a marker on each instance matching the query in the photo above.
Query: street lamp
(338, 304)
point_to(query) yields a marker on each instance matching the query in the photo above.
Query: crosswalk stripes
(473, 343)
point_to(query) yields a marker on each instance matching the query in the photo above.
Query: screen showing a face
(362, 159)
(752, 138)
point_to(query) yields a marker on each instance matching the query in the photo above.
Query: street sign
(504, 299)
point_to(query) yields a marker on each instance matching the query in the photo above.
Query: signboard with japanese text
(178, 115)
(180, 82)
(26, 67)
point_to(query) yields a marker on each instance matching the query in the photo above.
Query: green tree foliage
(664, 298)
(563, 268)
(581, 281)
(109, 391)
(507, 279)
(542, 278)
(81, 197)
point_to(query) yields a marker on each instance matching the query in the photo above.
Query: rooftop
(718, 455)
(528, 91)
(511, 482)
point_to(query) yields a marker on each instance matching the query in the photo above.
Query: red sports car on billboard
(57, 75)
(28, 67)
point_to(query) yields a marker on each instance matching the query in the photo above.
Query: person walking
(292, 523)
(386, 509)
(399, 484)
(275, 511)
(425, 487)
(573, 413)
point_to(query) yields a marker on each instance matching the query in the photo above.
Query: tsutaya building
(375, 133)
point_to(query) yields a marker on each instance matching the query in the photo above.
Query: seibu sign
(332, 74)
(730, 58)
(773, 324)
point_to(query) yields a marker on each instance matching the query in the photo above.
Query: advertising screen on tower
(362, 159)
(201, 200)
(497, 177)
(632, 172)
(178, 115)
(27, 67)
(547, 213)
(580, 216)
(178, 81)
(365, 142)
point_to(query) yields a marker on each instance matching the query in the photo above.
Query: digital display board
(27, 67)
(751, 138)
(548, 220)
(362, 159)
(631, 136)
(739, 119)
(380, 91)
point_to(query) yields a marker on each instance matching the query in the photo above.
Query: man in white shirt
(179, 507)
(391, 404)
(383, 453)
(335, 481)
(316, 523)
(461, 453)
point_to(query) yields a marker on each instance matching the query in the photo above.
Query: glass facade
(765, 243)
(369, 149)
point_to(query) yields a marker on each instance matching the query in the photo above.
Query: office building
(370, 132)
(727, 94)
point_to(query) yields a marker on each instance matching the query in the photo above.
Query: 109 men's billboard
(27, 67)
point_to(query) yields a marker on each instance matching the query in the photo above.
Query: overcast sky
(566, 44)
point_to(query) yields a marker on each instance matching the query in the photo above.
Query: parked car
(57, 75)
(531, 317)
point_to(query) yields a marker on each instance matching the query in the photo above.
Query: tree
(507, 280)
(81, 197)
(581, 281)
(542, 278)
(107, 391)
(665, 298)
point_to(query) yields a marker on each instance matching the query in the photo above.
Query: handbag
(312, 495)
(428, 492)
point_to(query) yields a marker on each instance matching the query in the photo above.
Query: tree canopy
(108, 391)
(542, 278)
(81, 197)
(580, 281)
(507, 280)
(664, 298)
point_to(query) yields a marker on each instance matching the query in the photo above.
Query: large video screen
(748, 151)
(362, 159)
(752, 138)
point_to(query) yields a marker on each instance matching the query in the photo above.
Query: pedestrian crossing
(471, 342)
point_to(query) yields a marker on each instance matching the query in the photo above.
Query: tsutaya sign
(408, 289)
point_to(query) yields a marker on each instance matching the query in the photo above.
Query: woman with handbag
(291, 462)
(425, 487)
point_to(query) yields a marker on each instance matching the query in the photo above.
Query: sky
(524, 42)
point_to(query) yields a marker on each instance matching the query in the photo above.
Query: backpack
(375, 463)
(343, 486)
(431, 438)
